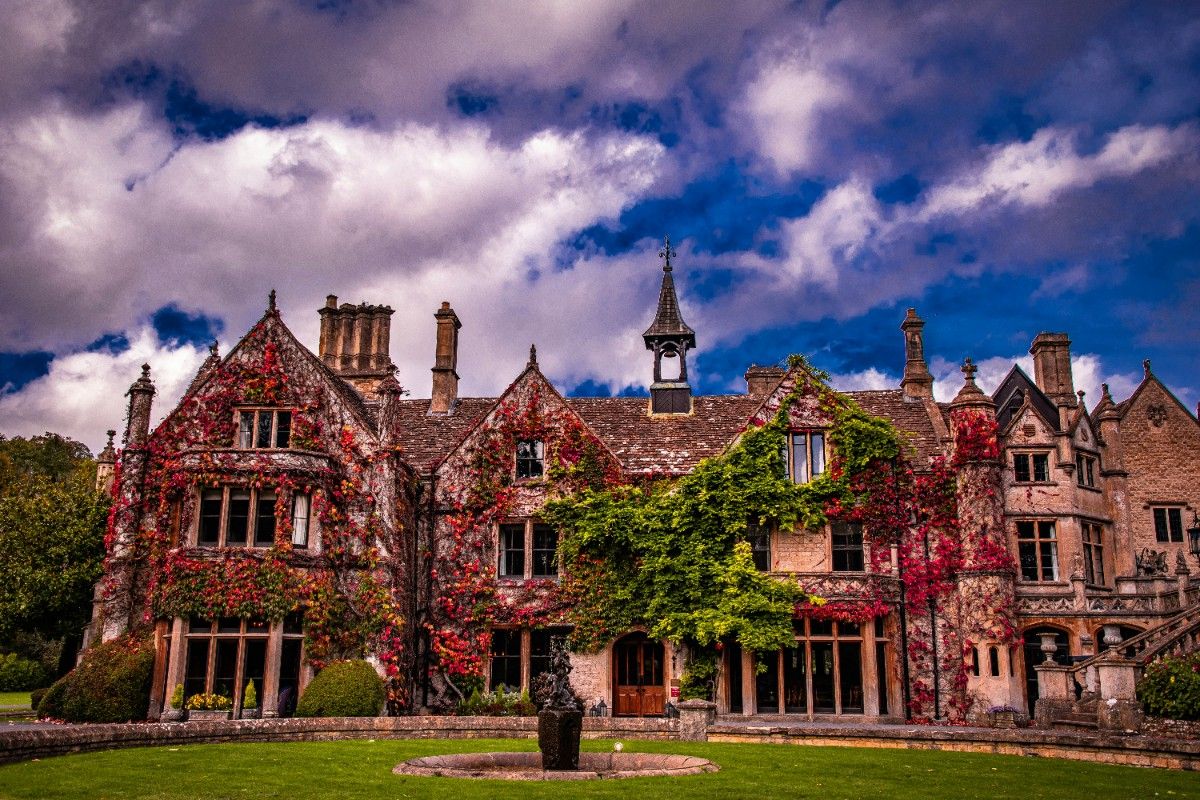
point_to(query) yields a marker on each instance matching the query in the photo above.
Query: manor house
(299, 506)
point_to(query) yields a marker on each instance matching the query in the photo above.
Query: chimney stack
(1052, 367)
(761, 380)
(917, 382)
(445, 361)
(355, 343)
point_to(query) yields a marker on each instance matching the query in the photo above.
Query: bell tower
(670, 338)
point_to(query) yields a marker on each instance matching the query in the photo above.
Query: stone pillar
(1056, 692)
(694, 718)
(269, 702)
(1118, 708)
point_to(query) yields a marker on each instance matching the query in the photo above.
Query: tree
(52, 523)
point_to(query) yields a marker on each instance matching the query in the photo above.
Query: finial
(532, 356)
(666, 253)
(145, 372)
(111, 434)
(1081, 393)
(969, 369)
(213, 349)
(1104, 391)
(1146, 367)
(271, 301)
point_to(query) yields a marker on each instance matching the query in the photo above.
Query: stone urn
(1049, 646)
(173, 715)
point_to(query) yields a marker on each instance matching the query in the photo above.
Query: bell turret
(670, 338)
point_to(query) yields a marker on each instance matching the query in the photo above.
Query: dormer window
(806, 455)
(264, 428)
(1085, 470)
(530, 459)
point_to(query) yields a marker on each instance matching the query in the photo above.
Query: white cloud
(84, 393)
(870, 378)
(784, 105)
(1086, 368)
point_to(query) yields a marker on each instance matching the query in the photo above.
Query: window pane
(512, 550)
(246, 429)
(1027, 552)
(1041, 467)
(545, 551)
(196, 673)
(766, 684)
(823, 677)
(210, 517)
(529, 458)
(225, 667)
(1176, 518)
(847, 547)
(759, 538)
(850, 672)
(1049, 561)
(283, 428)
(1160, 525)
(818, 454)
(300, 520)
(263, 439)
(239, 517)
(506, 659)
(799, 458)
(1021, 467)
(795, 681)
(264, 523)
(1024, 530)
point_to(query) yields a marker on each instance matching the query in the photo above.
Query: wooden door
(638, 672)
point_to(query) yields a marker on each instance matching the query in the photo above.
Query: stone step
(1065, 722)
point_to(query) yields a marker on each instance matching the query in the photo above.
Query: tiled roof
(427, 438)
(909, 417)
(667, 444)
(671, 444)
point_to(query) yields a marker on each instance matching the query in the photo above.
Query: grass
(362, 769)
(15, 699)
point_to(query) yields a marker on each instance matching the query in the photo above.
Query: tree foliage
(51, 535)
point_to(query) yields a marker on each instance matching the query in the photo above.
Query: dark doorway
(1034, 656)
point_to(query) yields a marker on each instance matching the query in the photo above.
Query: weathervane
(666, 253)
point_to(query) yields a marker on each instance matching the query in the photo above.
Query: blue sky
(1004, 168)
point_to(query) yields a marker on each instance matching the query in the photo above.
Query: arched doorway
(1034, 656)
(638, 686)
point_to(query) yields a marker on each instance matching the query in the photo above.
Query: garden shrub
(497, 704)
(20, 674)
(51, 704)
(35, 697)
(111, 684)
(343, 689)
(1170, 687)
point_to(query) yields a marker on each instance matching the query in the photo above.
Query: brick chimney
(445, 361)
(355, 342)
(1052, 367)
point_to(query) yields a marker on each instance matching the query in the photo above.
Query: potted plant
(250, 709)
(175, 712)
(206, 706)
(1003, 716)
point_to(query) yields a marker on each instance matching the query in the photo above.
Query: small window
(759, 538)
(1031, 467)
(300, 521)
(1168, 524)
(512, 550)
(506, 659)
(545, 551)
(806, 457)
(264, 428)
(847, 546)
(994, 662)
(264, 522)
(1038, 550)
(1085, 470)
(975, 661)
(1093, 553)
(530, 459)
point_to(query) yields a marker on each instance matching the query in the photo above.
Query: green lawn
(362, 769)
(20, 699)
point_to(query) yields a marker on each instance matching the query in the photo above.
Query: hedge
(111, 684)
(343, 689)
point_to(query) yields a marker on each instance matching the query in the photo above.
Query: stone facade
(314, 469)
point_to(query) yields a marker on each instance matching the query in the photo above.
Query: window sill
(1096, 489)
(1034, 483)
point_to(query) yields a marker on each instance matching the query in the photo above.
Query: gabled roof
(910, 418)
(1124, 406)
(1013, 391)
(427, 438)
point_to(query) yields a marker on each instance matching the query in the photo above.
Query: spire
(271, 301)
(532, 356)
(670, 338)
(668, 322)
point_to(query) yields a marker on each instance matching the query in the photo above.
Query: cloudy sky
(1006, 168)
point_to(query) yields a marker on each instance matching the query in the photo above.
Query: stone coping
(1108, 748)
(528, 766)
(24, 743)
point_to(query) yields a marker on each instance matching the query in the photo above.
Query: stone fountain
(560, 722)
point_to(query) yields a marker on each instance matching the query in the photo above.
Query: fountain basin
(528, 766)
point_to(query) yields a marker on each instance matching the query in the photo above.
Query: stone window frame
(529, 460)
(278, 433)
(530, 663)
(529, 550)
(847, 550)
(255, 496)
(1171, 514)
(1030, 459)
(812, 466)
(1041, 546)
(1087, 469)
(1091, 535)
